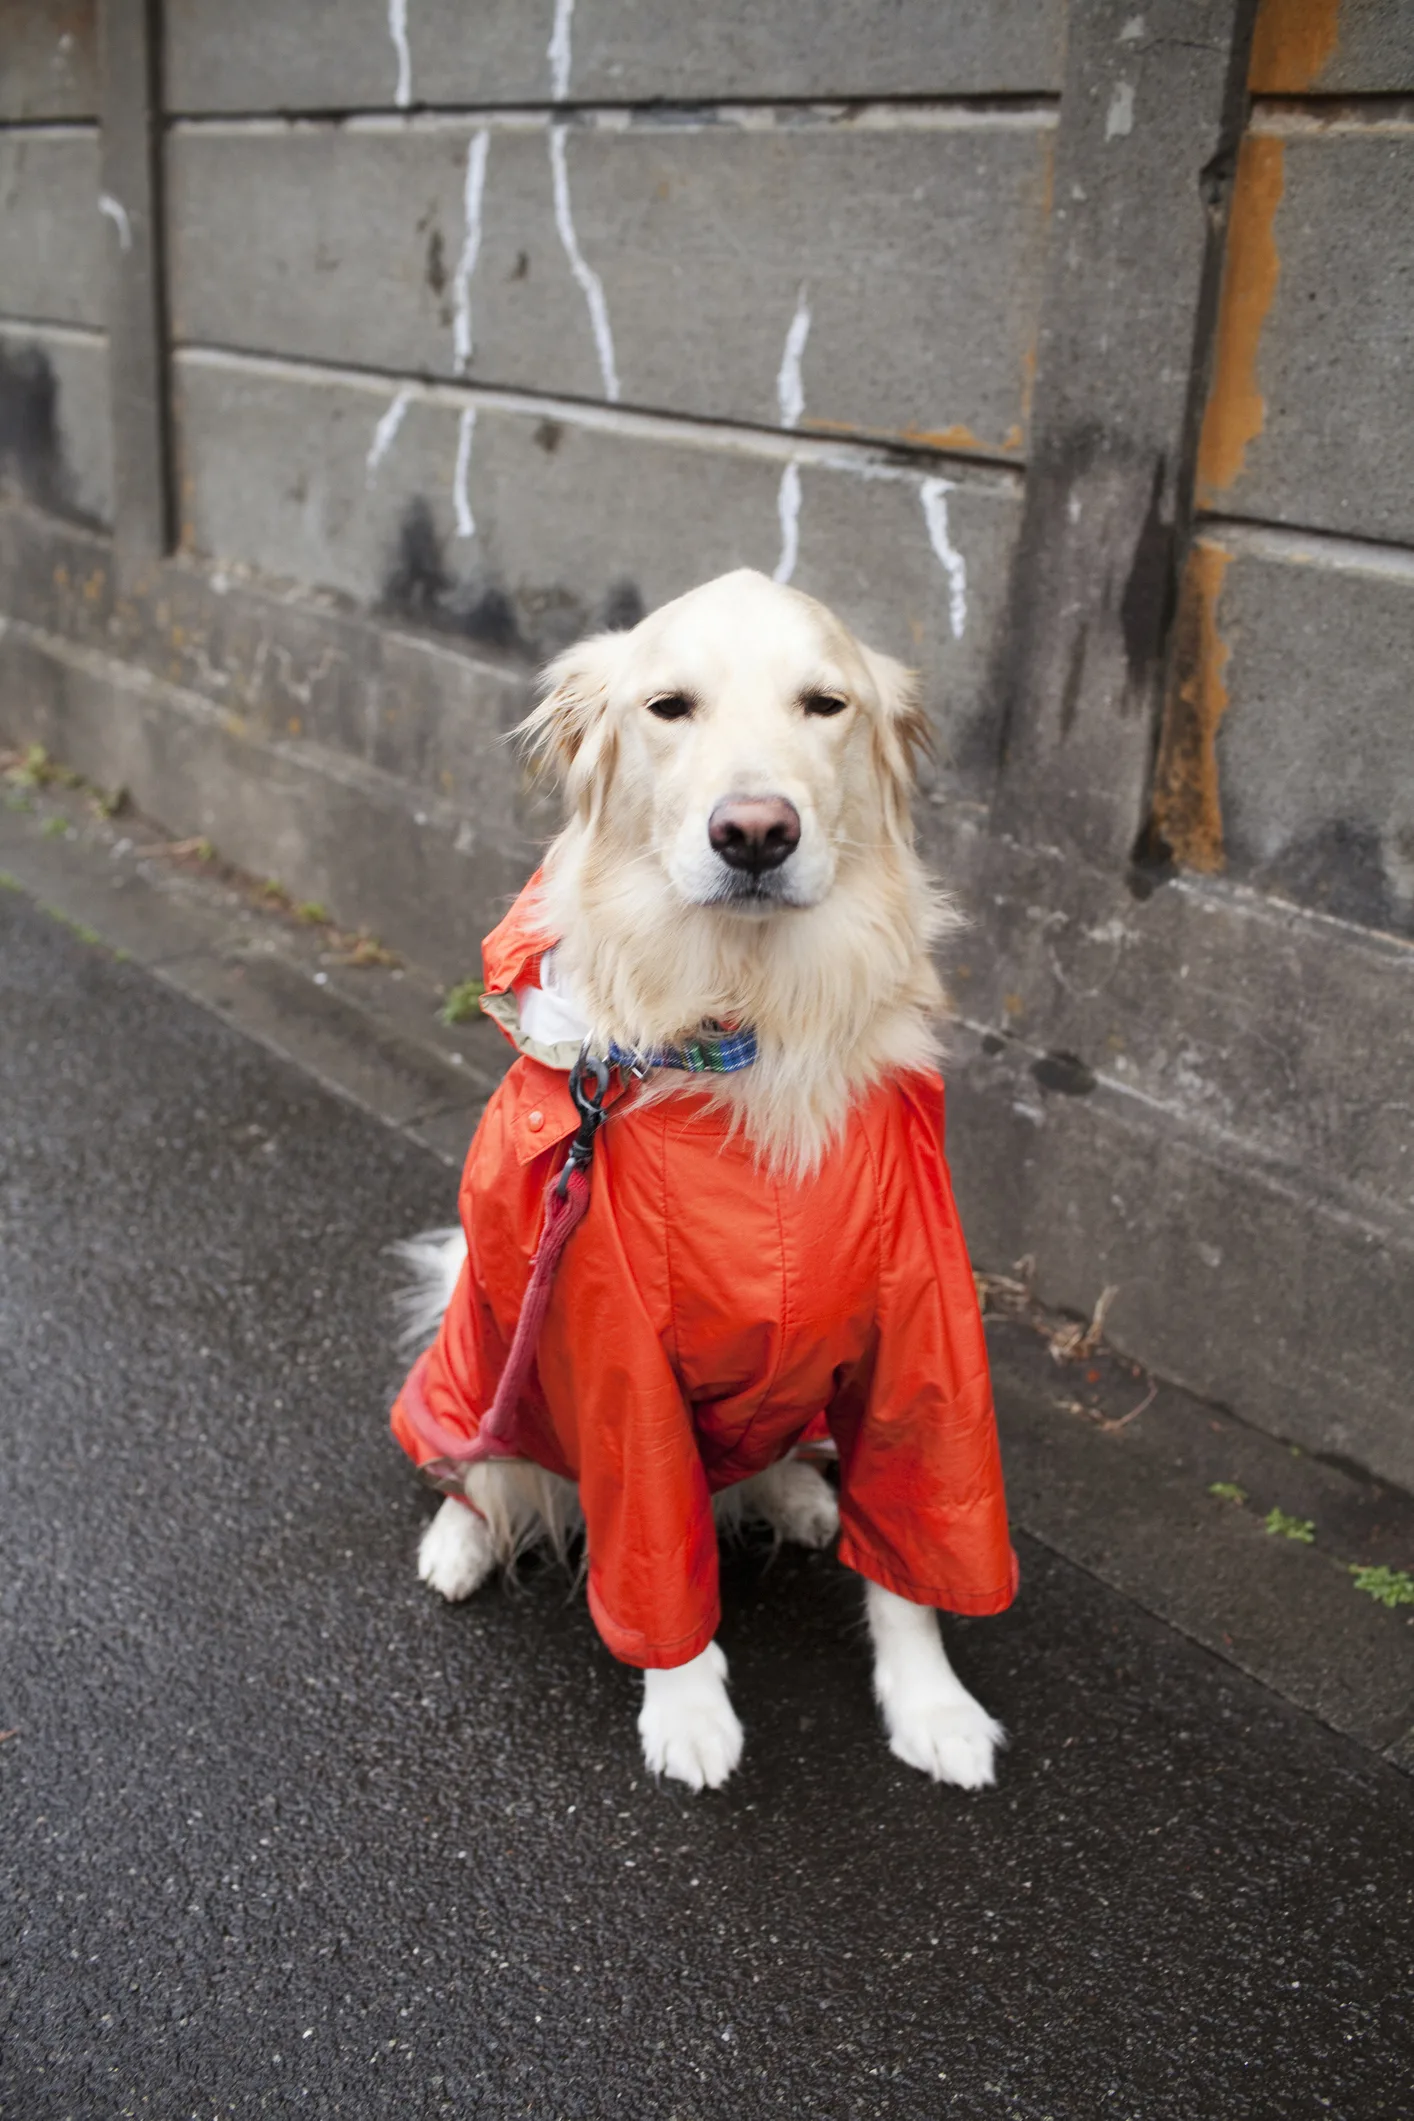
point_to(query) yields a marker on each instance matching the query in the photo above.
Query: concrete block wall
(355, 357)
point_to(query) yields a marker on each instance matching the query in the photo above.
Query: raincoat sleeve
(647, 1509)
(922, 1506)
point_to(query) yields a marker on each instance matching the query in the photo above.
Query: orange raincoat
(705, 1316)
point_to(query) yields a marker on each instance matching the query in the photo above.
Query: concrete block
(51, 254)
(1355, 47)
(911, 254)
(49, 68)
(326, 57)
(1285, 757)
(1225, 1012)
(1318, 680)
(523, 526)
(1308, 420)
(55, 428)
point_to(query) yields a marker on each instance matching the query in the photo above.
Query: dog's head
(741, 737)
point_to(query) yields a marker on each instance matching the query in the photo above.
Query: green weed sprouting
(461, 1001)
(1391, 1587)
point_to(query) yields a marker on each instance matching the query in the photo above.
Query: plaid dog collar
(714, 1051)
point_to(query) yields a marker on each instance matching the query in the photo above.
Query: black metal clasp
(589, 1079)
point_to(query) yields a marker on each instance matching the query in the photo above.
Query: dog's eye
(671, 707)
(823, 703)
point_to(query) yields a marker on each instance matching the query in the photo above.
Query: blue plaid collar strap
(715, 1051)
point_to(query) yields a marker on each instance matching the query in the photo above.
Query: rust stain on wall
(1187, 807)
(1236, 411)
(1028, 380)
(1291, 45)
(958, 437)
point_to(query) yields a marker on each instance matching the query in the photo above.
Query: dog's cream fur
(832, 970)
(828, 959)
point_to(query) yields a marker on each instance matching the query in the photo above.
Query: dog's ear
(568, 735)
(903, 734)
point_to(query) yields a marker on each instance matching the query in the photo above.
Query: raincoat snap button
(535, 1121)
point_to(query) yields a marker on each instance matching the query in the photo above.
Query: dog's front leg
(687, 1723)
(932, 1721)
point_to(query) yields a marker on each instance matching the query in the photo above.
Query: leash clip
(589, 1104)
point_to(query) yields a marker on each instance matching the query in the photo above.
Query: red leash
(565, 1206)
(566, 1202)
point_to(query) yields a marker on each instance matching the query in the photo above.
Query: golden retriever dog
(737, 773)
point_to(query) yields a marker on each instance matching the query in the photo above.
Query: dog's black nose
(754, 832)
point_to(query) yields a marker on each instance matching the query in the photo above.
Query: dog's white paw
(932, 1721)
(800, 1504)
(687, 1723)
(455, 1555)
(949, 1736)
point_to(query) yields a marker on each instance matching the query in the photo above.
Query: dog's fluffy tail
(432, 1264)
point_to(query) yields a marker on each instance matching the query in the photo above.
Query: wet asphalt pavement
(279, 1831)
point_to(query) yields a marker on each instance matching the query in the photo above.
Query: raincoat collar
(513, 963)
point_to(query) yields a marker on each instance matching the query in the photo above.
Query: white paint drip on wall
(385, 433)
(933, 494)
(589, 281)
(790, 398)
(398, 31)
(788, 509)
(790, 390)
(466, 521)
(1119, 118)
(473, 187)
(559, 50)
(118, 215)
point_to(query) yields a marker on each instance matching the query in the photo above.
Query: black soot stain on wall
(32, 462)
(531, 620)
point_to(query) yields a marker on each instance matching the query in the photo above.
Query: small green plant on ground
(315, 912)
(1390, 1587)
(1299, 1528)
(54, 828)
(1228, 1491)
(461, 1001)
